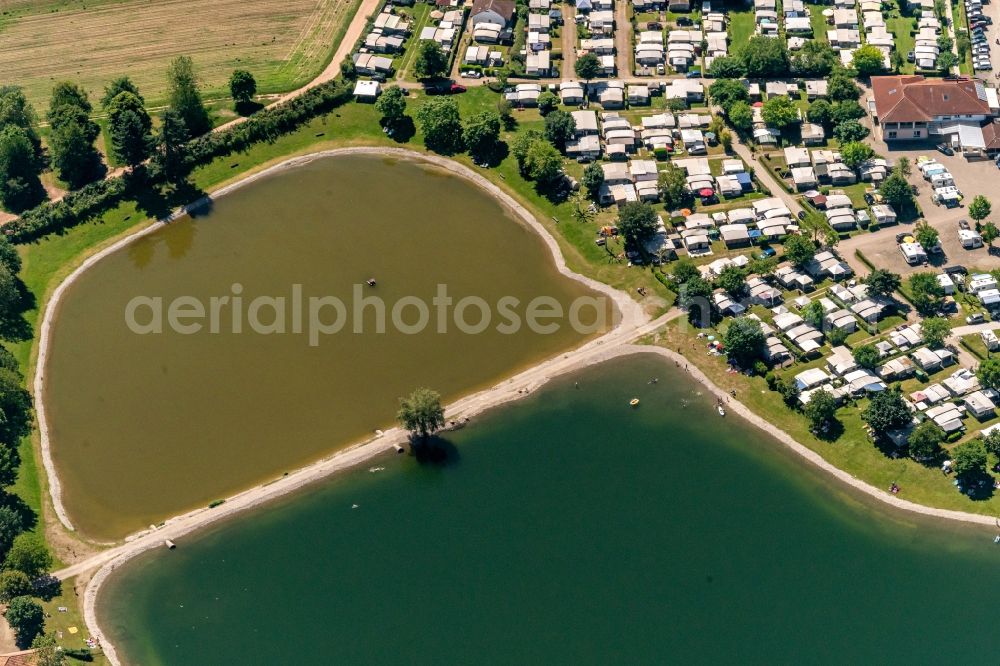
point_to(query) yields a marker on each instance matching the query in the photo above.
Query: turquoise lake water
(569, 528)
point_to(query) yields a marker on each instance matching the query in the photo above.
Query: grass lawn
(818, 22)
(974, 344)
(421, 18)
(902, 28)
(741, 28)
(285, 43)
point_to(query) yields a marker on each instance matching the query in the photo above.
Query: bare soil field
(284, 43)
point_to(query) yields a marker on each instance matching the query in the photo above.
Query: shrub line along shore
(634, 323)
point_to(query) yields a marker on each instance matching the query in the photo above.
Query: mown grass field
(285, 43)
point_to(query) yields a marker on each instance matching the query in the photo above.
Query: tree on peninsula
(421, 413)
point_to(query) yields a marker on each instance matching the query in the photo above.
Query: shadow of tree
(434, 451)
(248, 108)
(13, 325)
(29, 519)
(402, 130)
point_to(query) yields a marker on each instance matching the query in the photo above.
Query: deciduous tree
(868, 60)
(927, 293)
(969, 460)
(28, 555)
(441, 124)
(821, 410)
(897, 192)
(980, 208)
(886, 411)
(764, 57)
(421, 413)
(925, 441)
(587, 66)
(26, 618)
(637, 223)
(559, 129)
(242, 86)
(185, 97)
(867, 356)
(593, 178)
(744, 341)
(799, 250)
(732, 279)
(482, 135)
(882, 283)
(780, 112)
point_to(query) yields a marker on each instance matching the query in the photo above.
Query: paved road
(765, 177)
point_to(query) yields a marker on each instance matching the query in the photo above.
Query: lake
(569, 528)
(149, 422)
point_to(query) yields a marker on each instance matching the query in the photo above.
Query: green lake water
(569, 528)
(145, 426)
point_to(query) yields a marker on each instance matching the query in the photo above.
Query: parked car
(801, 215)
(945, 148)
(911, 57)
(661, 70)
(901, 236)
(766, 252)
(693, 74)
(472, 74)
(869, 199)
(977, 318)
(684, 20)
(653, 25)
(963, 224)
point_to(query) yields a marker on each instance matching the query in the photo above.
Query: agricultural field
(285, 43)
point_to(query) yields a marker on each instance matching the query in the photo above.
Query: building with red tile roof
(912, 107)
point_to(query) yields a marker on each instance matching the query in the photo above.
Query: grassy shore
(852, 451)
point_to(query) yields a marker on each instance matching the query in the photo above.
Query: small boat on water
(634, 402)
(722, 412)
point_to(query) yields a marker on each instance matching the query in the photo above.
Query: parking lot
(972, 178)
(981, 33)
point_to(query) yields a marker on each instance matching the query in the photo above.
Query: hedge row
(266, 125)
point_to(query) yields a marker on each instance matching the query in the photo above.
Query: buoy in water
(634, 402)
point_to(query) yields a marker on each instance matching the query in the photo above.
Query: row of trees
(72, 133)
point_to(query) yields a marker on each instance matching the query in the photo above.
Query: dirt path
(351, 36)
(623, 40)
(568, 35)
